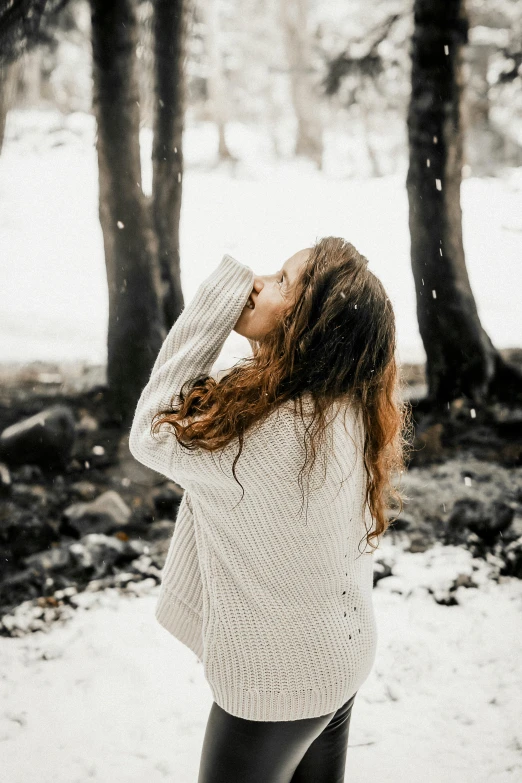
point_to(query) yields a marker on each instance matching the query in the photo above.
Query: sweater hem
(180, 620)
(278, 706)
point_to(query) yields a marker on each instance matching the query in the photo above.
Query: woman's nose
(258, 284)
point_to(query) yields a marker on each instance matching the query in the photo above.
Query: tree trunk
(366, 126)
(309, 142)
(460, 357)
(135, 330)
(484, 144)
(216, 77)
(8, 83)
(31, 76)
(170, 21)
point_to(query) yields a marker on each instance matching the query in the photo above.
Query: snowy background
(53, 293)
(108, 694)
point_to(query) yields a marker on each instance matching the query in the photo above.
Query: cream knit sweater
(277, 607)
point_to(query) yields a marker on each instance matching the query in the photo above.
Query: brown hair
(336, 341)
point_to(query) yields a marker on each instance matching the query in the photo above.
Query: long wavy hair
(337, 342)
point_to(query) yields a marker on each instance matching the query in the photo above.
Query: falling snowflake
(438, 184)
(120, 224)
(434, 294)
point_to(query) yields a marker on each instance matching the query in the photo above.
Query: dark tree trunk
(460, 357)
(170, 18)
(135, 323)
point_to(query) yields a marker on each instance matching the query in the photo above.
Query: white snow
(53, 297)
(110, 695)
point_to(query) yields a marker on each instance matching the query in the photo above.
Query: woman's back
(287, 616)
(269, 576)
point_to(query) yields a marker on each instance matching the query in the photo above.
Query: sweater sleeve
(189, 350)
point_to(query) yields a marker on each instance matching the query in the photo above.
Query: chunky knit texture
(273, 594)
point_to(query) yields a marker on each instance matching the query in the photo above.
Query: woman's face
(271, 295)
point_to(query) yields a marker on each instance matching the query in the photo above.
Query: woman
(286, 462)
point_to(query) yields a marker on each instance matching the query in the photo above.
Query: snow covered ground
(111, 696)
(53, 297)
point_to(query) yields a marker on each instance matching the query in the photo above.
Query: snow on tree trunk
(135, 330)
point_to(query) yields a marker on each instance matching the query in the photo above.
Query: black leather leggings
(311, 750)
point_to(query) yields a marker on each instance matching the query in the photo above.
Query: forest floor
(95, 689)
